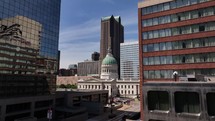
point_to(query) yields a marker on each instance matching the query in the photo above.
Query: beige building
(71, 79)
(88, 68)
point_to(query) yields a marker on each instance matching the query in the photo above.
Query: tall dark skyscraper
(29, 32)
(112, 34)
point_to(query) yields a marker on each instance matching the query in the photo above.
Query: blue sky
(80, 26)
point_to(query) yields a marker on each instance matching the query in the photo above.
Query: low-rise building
(65, 105)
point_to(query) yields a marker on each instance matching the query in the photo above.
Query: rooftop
(117, 18)
(146, 3)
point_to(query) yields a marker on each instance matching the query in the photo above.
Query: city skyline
(86, 33)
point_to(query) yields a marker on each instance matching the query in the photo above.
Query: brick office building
(176, 35)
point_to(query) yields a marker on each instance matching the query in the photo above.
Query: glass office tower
(29, 32)
(129, 60)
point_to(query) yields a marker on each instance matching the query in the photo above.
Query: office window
(162, 72)
(202, 28)
(155, 8)
(175, 31)
(151, 61)
(193, 2)
(144, 23)
(163, 60)
(157, 74)
(166, 6)
(145, 35)
(194, 14)
(196, 43)
(145, 48)
(208, 11)
(169, 74)
(169, 45)
(173, 4)
(144, 11)
(160, 7)
(155, 34)
(162, 46)
(210, 26)
(212, 57)
(179, 3)
(150, 34)
(210, 103)
(174, 18)
(168, 32)
(146, 75)
(156, 47)
(156, 60)
(211, 41)
(155, 21)
(151, 75)
(150, 47)
(158, 100)
(162, 20)
(169, 59)
(187, 102)
(189, 59)
(145, 61)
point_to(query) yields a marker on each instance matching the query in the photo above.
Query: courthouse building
(109, 80)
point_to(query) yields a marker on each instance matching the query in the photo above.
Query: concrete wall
(171, 115)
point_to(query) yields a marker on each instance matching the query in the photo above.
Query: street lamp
(111, 104)
(175, 74)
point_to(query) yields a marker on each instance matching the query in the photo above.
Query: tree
(74, 86)
(62, 86)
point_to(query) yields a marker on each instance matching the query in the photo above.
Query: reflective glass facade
(129, 60)
(29, 32)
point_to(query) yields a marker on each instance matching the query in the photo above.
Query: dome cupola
(109, 68)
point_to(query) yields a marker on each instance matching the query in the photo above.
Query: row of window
(127, 92)
(193, 43)
(109, 71)
(169, 5)
(105, 87)
(178, 59)
(168, 74)
(179, 30)
(185, 102)
(179, 17)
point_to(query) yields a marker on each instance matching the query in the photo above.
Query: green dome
(109, 60)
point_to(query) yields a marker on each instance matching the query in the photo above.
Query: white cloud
(86, 30)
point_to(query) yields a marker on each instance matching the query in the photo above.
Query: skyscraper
(112, 34)
(129, 60)
(29, 33)
(176, 35)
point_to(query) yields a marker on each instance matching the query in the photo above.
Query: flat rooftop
(146, 3)
(179, 83)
